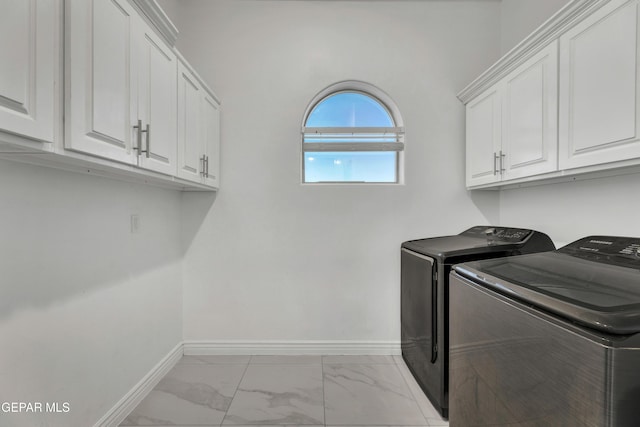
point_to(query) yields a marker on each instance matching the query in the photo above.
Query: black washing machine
(425, 267)
(549, 339)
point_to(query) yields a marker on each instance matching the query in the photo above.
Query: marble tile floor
(310, 391)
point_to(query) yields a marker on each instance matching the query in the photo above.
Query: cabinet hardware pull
(495, 160)
(148, 131)
(207, 167)
(138, 129)
(202, 163)
(139, 132)
(502, 156)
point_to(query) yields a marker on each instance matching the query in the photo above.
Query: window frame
(396, 131)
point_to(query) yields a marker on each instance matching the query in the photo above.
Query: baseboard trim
(219, 347)
(119, 412)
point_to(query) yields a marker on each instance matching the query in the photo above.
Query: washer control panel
(607, 249)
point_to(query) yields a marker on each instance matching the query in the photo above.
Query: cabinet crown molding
(550, 30)
(159, 19)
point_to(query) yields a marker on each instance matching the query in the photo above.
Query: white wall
(569, 211)
(275, 260)
(86, 307)
(520, 17)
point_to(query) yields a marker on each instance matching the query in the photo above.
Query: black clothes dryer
(425, 267)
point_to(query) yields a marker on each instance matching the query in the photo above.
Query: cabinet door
(29, 63)
(190, 135)
(156, 102)
(599, 87)
(530, 116)
(211, 126)
(483, 138)
(100, 87)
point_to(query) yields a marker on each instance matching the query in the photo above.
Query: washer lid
(594, 281)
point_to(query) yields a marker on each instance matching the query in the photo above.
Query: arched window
(352, 133)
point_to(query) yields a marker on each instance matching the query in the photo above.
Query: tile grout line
(236, 391)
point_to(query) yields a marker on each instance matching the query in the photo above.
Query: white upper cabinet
(156, 103)
(190, 136)
(483, 138)
(101, 80)
(198, 130)
(529, 121)
(122, 94)
(29, 68)
(599, 88)
(569, 99)
(97, 86)
(512, 126)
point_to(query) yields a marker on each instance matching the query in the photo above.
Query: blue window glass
(349, 109)
(333, 154)
(359, 166)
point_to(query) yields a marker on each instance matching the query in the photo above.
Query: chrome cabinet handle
(148, 131)
(139, 132)
(502, 156)
(138, 128)
(202, 166)
(206, 174)
(495, 161)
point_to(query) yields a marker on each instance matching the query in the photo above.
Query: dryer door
(418, 309)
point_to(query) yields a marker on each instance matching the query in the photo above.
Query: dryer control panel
(499, 234)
